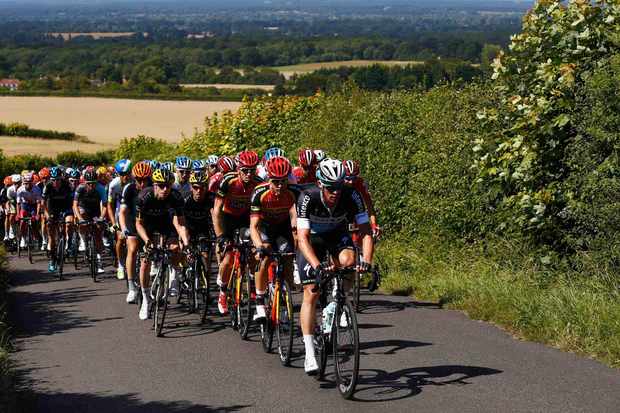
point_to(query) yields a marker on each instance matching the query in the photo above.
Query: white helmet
(319, 155)
(17, 178)
(330, 172)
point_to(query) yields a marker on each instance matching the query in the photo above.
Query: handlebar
(330, 275)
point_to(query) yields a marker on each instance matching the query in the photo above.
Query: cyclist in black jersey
(198, 207)
(57, 202)
(154, 208)
(323, 215)
(89, 204)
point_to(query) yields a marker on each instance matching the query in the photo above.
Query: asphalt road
(83, 349)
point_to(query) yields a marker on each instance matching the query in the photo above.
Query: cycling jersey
(360, 186)
(156, 214)
(27, 198)
(303, 177)
(90, 200)
(115, 192)
(185, 189)
(313, 214)
(198, 216)
(236, 195)
(214, 182)
(271, 208)
(58, 200)
(129, 197)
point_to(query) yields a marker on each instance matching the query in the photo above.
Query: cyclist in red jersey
(224, 165)
(231, 212)
(273, 223)
(305, 172)
(353, 180)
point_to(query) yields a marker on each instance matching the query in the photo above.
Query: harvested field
(288, 71)
(11, 145)
(235, 86)
(103, 121)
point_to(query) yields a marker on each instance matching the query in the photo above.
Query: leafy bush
(144, 147)
(20, 129)
(16, 164)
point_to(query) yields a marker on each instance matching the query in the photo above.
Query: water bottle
(328, 317)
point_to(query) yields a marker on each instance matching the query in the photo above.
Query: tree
(488, 54)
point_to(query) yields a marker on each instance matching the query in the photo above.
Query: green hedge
(20, 129)
(15, 164)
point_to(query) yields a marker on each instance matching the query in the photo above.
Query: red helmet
(8, 181)
(44, 173)
(35, 178)
(306, 157)
(278, 167)
(226, 164)
(351, 168)
(247, 159)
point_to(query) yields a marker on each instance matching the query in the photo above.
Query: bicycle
(279, 309)
(240, 285)
(159, 255)
(341, 323)
(90, 253)
(196, 283)
(373, 284)
(59, 256)
(29, 229)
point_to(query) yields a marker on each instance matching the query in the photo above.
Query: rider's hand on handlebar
(262, 252)
(221, 242)
(364, 266)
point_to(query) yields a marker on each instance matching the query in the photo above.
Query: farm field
(103, 121)
(288, 71)
(235, 86)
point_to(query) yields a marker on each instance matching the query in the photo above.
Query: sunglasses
(141, 181)
(198, 187)
(332, 189)
(184, 172)
(248, 171)
(278, 182)
(162, 186)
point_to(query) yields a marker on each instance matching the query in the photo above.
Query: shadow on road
(48, 402)
(394, 346)
(379, 385)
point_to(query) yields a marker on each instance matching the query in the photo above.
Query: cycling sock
(132, 286)
(146, 293)
(309, 344)
(260, 299)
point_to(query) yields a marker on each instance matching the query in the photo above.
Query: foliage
(20, 129)
(524, 159)
(14, 164)
(145, 147)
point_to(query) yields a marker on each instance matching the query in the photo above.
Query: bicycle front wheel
(356, 291)
(161, 299)
(266, 329)
(29, 244)
(92, 257)
(346, 348)
(204, 285)
(60, 254)
(285, 323)
(245, 306)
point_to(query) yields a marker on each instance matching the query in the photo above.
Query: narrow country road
(83, 349)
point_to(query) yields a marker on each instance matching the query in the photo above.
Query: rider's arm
(303, 238)
(111, 213)
(218, 216)
(179, 224)
(122, 217)
(368, 244)
(358, 211)
(292, 212)
(254, 232)
(142, 230)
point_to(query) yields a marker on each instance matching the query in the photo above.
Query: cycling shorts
(55, 213)
(331, 243)
(89, 213)
(27, 211)
(131, 227)
(280, 237)
(232, 224)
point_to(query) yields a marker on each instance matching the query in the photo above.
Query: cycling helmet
(28, 177)
(183, 162)
(319, 155)
(162, 176)
(198, 177)
(278, 167)
(330, 172)
(272, 152)
(44, 173)
(198, 165)
(225, 164)
(122, 167)
(101, 171)
(212, 160)
(247, 159)
(17, 178)
(90, 176)
(141, 170)
(351, 168)
(154, 164)
(55, 173)
(306, 157)
(8, 181)
(166, 165)
(74, 174)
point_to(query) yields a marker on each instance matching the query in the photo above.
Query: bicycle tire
(18, 239)
(29, 243)
(205, 273)
(231, 298)
(161, 296)
(285, 324)
(92, 254)
(266, 329)
(60, 254)
(356, 291)
(244, 309)
(346, 378)
(320, 351)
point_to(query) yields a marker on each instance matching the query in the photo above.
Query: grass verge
(510, 286)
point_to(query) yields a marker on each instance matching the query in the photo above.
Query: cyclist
(198, 165)
(353, 180)
(43, 175)
(273, 222)
(198, 206)
(211, 162)
(319, 155)
(127, 220)
(153, 209)
(57, 201)
(4, 203)
(183, 165)
(28, 204)
(231, 212)
(224, 165)
(11, 194)
(305, 172)
(323, 215)
(115, 191)
(89, 203)
(261, 169)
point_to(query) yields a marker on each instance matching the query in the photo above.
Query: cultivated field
(234, 86)
(103, 121)
(288, 71)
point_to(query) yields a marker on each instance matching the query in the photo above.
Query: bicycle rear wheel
(92, 257)
(245, 306)
(60, 253)
(204, 274)
(29, 242)
(266, 329)
(356, 291)
(285, 323)
(161, 300)
(346, 349)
